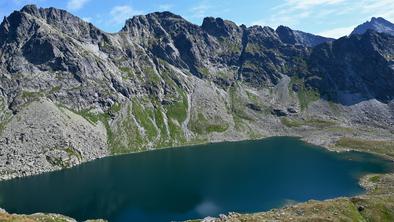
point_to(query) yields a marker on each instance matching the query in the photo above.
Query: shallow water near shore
(194, 182)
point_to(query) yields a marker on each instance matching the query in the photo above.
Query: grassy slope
(375, 146)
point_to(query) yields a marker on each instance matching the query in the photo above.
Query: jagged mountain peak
(31, 9)
(165, 14)
(377, 24)
(218, 26)
(378, 19)
(166, 18)
(289, 36)
(32, 19)
(49, 14)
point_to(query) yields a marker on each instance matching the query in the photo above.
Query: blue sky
(332, 18)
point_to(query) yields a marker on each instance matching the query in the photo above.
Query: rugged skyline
(331, 18)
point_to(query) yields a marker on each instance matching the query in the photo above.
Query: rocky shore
(37, 217)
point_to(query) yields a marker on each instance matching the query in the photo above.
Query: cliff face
(358, 67)
(162, 81)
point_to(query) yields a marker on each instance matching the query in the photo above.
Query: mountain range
(71, 93)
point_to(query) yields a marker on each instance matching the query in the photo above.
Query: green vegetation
(334, 107)
(382, 147)
(291, 122)
(340, 129)
(116, 107)
(204, 71)
(2, 127)
(72, 152)
(127, 137)
(368, 207)
(178, 110)
(201, 125)
(318, 123)
(144, 122)
(374, 179)
(94, 118)
(253, 48)
(64, 163)
(164, 137)
(238, 122)
(230, 46)
(252, 97)
(5, 217)
(31, 95)
(376, 208)
(297, 65)
(237, 104)
(57, 161)
(128, 71)
(151, 75)
(5, 115)
(55, 89)
(91, 117)
(144, 117)
(250, 65)
(176, 132)
(305, 95)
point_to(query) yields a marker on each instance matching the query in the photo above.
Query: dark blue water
(194, 182)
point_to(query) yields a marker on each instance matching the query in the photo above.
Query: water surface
(194, 182)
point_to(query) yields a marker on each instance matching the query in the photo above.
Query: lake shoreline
(323, 141)
(300, 139)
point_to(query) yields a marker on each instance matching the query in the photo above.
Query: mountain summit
(377, 24)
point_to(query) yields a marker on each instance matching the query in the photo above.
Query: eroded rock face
(163, 81)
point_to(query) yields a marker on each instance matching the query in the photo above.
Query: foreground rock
(38, 217)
